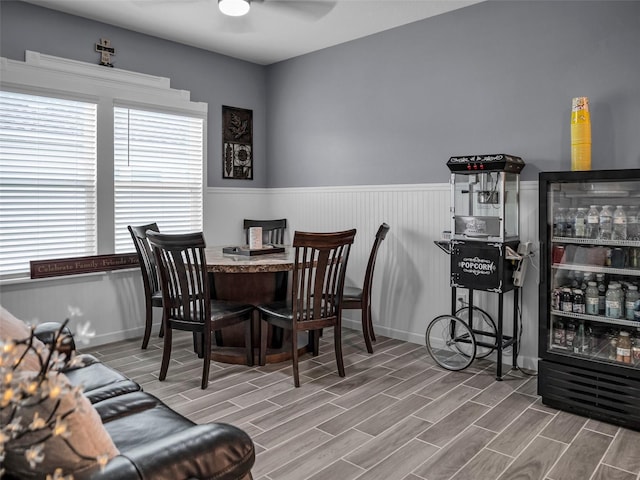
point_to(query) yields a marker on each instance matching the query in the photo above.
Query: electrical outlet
(462, 299)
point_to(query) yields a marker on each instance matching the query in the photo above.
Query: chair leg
(366, 331)
(294, 357)
(372, 334)
(337, 339)
(198, 340)
(207, 358)
(148, 320)
(166, 354)
(161, 334)
(248, 338)
(264, 331)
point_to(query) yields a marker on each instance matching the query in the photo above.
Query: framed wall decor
(237, 143)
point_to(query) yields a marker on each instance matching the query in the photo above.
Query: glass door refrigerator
(589, 335)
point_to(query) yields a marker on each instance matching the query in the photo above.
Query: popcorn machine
(486, 255)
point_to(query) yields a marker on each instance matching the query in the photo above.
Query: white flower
(84, 333)
(34, 454)
(74, 311)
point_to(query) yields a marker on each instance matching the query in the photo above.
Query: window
(158, 172)
(47, 180)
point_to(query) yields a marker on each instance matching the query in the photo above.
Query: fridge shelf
(597, 269)
(597, 318)
(596, 241)
(601, 356)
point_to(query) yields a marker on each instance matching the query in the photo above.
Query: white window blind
(158, 164)
(47, 180)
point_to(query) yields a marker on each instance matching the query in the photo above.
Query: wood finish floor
(396, 416)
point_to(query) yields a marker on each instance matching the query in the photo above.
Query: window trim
(48, 75)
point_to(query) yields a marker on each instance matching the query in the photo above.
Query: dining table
(256, 279)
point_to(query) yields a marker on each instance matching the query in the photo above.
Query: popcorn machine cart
(486, 255)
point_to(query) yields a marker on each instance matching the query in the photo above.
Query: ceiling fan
(304, 9)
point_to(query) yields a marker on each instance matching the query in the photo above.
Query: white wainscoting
(412, 275)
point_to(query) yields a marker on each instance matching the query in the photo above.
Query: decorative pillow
(12, 328)
(75, 440)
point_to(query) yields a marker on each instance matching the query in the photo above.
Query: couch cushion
(98, 380)
(80, 438)
(152, 421)
(12, 328)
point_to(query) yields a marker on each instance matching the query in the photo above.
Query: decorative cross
(106, 50)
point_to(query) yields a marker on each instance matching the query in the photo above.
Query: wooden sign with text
(74, 266)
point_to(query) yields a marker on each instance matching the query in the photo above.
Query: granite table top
(218, 262)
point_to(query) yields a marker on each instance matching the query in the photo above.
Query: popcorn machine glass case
(485, 191)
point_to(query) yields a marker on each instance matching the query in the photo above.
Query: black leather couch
(154, 441)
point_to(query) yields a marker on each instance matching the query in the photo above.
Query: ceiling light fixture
(234, 8)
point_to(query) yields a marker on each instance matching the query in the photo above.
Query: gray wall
(496, 77)
(212, 78)
(391, 108)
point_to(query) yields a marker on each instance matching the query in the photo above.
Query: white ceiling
(272, 31)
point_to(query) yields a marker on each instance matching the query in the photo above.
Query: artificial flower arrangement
(40, 411)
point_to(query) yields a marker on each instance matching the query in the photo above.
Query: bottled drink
(580, 340)
(633, 224)
(619, 231)
(593, 222)
(578, 301)
(591, 299)
(580, 134)
(630, 299)
(559, 333)
(580, 223)
(606, 223)
(570, 223)
(570, 335)
(566, 301)
(613, 345)
(559, 223)
(602, 290)
(613, 301)
(623, 351)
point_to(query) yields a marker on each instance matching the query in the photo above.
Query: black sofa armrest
(46, 333)
(213, 451)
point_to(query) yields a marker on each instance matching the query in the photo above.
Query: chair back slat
(182, 265)
(272, 230)
(146, 259)
(318, 274)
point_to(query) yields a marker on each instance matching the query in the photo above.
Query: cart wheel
(482, 321)
(450, 342)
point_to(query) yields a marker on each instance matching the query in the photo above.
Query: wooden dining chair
(150, 280)
(272, 230)
(355, 298)
(316, 294)
(186, 297)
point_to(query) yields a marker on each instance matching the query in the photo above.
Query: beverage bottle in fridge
(578, 301)
(580, 223)
(602, 291)
(559, 223)
(613, 301)
(619, 231)
(623, 351)
(593, 222)
(570, 223)
(591, 299)
(580, 339)
(630, 299)
(606, 223)
(570, 335)
(633, 225)
(566, 301)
